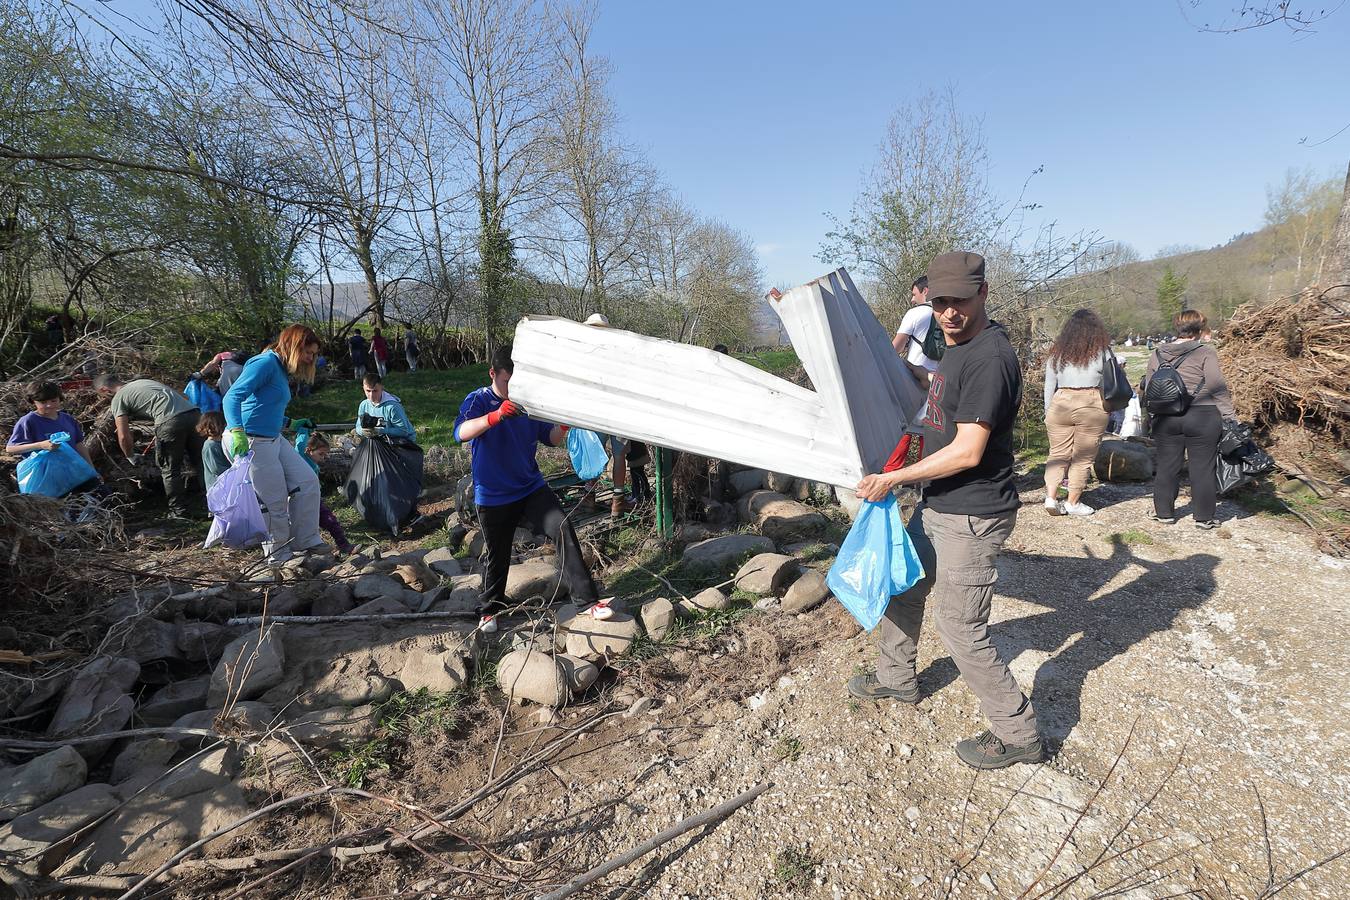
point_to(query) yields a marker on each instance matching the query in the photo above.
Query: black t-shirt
(977, 381)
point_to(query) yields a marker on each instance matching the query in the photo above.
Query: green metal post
(665, 498)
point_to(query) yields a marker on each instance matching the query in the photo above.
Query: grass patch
(781, 362)
(686, 630)
(795, 867)
(351, 766)
(431, 398)
(1132, 538)
(789, 748)
(405, 716)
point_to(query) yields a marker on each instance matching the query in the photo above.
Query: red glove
(901, 451)
(508, 410)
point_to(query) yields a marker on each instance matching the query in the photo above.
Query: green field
(431, 398)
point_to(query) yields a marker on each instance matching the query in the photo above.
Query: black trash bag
(384, 482)
(1240, 460)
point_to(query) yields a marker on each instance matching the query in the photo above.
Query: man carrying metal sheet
(968, 511)
(509, 488)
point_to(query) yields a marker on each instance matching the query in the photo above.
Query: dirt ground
(1190, 683)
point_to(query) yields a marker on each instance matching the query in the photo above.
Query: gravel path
(1218, 656)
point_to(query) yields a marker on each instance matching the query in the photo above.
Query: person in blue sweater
(382, 405)
(508, 487)
(255, 413)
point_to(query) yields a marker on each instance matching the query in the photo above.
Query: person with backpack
(1074, 414)
(1187, 397)
(919, 340)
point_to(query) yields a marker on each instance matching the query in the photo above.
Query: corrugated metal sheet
(690, 398)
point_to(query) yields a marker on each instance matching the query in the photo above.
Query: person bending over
(509, 488)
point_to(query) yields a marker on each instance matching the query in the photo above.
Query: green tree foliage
(1171, 295)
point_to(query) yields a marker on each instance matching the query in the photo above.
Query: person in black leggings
(1193, 435)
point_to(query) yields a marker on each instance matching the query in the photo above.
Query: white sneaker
(1054, 507)
(1078, 509)
(488, 624)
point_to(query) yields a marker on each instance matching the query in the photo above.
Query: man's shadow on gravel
(1082, 632)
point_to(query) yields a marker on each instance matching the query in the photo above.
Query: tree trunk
(1338, 251)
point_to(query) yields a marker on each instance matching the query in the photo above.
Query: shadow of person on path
(1081, 631)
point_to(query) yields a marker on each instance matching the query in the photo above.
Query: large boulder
(98, 700)
(724, 551)
(779, 518)
(248, 667)
(34, 831)
(601, 640)
(151, 753)
(39, 780)
(535, 578)
(1123, 461)
(767, 574)
(150, 639)
(807, 592)
(203, 641)
(705, 601)
(443, 562)
(173, 701)
(657, 616)
(534, 676)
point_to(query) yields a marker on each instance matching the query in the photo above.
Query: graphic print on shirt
(935, 418)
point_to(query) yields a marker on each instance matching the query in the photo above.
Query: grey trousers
(958, 554)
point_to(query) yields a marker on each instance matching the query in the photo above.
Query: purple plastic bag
(238, 520)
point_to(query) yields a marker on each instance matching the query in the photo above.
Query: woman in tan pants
(1074, 415)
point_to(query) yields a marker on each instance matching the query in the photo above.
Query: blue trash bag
(588, 453)
(202, 395)
(876, 561)
(237, 519)
(54, 473)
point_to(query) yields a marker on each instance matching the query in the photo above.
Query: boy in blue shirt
(381, 405)
(509, 488)
(33, 431)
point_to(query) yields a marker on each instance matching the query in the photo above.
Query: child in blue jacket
(313, 449)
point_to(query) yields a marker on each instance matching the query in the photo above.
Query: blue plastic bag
(202, 395)
(237, 517)
(588, 453)
(54, 473)
(876, 561)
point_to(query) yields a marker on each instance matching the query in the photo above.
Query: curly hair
(290, 342)
(1082, 340)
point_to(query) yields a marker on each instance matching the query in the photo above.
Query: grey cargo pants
(958, 554)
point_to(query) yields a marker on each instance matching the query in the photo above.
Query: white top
(915, 324)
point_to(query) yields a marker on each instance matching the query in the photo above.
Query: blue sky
(766, 115)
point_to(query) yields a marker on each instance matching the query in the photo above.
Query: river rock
(416, 575)
(381, 606)
(534, 578)
(767, 574)
(439, 672)
(203, 642)
(337, 599)
(249, 666)
(780, 483)
(530, 675)
(376, 584)
(147, 753)
(807, 592)
(779, 518)
(172, 702)
(601, 640)
(98, 700)
(581, 674)
(34, 831)
(720, 553)
(150, 640)
(442, 561)
(746, 481)
(707, 600)
(39, 780)
(1123, 461)
(657, 616)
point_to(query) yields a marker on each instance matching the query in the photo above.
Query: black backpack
(1166, 394)
(934, 342)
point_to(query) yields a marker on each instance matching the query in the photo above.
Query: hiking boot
(1078, 509)
(1162, 520)
(868, 687)
(1207, 526)
(1054, 507)
(985, 751)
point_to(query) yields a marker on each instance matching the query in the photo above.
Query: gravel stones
(248, 667)
(534, 676)
(767, 574)
(807, 592)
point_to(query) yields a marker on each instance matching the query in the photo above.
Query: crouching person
(509, 488)
(175, 422)
(969, 509)
(255, 413)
